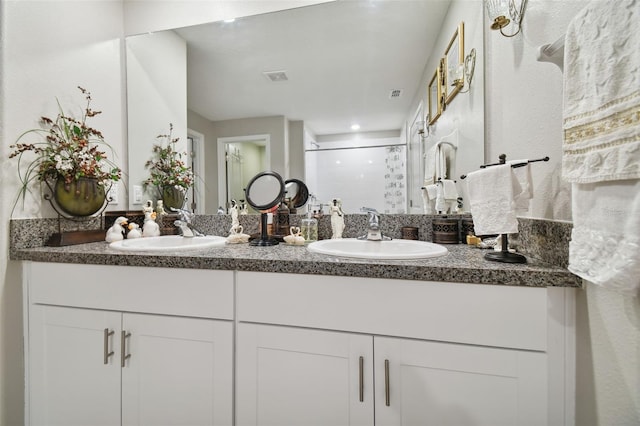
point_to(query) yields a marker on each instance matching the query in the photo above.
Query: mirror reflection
(298, 80)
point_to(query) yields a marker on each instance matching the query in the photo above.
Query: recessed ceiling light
(355, 127)
(230, 20)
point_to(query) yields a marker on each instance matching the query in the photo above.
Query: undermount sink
(169, 243)
(391, 249)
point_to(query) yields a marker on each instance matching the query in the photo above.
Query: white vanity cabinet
(114, 345)
(319, 350)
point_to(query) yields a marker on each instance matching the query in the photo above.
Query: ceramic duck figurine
(150, 228)
(116, 232)
(134, 231)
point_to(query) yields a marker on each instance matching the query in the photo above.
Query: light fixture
(504, 12)
(355, 127)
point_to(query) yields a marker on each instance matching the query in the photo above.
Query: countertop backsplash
(545, 240)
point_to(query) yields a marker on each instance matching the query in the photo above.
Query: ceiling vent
(276, 75)
(395, 93)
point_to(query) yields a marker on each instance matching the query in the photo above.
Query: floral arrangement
(70, 150)
(167, 168)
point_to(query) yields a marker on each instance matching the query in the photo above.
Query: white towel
(450, 192)
(605, 240)
(491, 200)
(521, 196)
(429, 194)
(430, 160)
(601, 116)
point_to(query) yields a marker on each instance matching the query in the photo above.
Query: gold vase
(82, 197)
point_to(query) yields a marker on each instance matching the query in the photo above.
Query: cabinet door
(296, 376)
(69, 381)
(179, 371)
(431, 383)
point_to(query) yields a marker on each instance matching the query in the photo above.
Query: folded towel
(605, 240)
(429, 194)
(601, 118)
(491, 200)
(430, 160)
(450, 192)
(522, 174)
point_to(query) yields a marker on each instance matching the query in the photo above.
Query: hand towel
(430, 160)
(491, 200)
(605, 240)
(429, 193)
(522, 174)
(601, 116)
(450, 192)
(441, 203)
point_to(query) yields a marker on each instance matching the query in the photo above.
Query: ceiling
(342, 59)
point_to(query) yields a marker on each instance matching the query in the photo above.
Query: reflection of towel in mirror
(429, 193)
(491, 200)
(522, 173)
(446, 196)
(430, 168)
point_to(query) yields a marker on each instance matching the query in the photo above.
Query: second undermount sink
(364, 249)
(169, 243)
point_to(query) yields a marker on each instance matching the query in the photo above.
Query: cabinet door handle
(124, 356)
(107, 353)
(361, 378)
(387, 399)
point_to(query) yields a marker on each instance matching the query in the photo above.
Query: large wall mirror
(301, 78)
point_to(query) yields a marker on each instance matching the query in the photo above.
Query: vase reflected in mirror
(173, 197)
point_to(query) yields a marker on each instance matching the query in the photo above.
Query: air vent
(276, 75)
(395, 93)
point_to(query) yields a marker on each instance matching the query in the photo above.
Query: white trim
(222, 142)
(199, 182)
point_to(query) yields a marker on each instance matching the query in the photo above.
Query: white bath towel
(605, 240)
(601, 149)
(491, 200)
(601, 117)
(522, 174)
(430, 165)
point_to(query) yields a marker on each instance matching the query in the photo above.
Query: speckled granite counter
(462, 264)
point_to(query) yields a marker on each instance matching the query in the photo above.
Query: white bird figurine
(134, 231)
(150, 228)
(116, 232)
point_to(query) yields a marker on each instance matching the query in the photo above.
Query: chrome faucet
(373, 232)
(185, 225)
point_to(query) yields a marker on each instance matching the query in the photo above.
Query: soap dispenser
(309, 227)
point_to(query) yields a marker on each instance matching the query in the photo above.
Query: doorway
(239, 159)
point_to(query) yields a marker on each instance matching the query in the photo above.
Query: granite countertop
(463, 263)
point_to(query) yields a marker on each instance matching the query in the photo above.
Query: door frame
(221, 154)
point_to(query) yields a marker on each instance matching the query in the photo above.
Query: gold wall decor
(435, 95)
(453, 74)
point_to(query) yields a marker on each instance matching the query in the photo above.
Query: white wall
(48, 48)
(524, 120)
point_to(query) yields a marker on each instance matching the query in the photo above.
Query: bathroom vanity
(258, 336)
